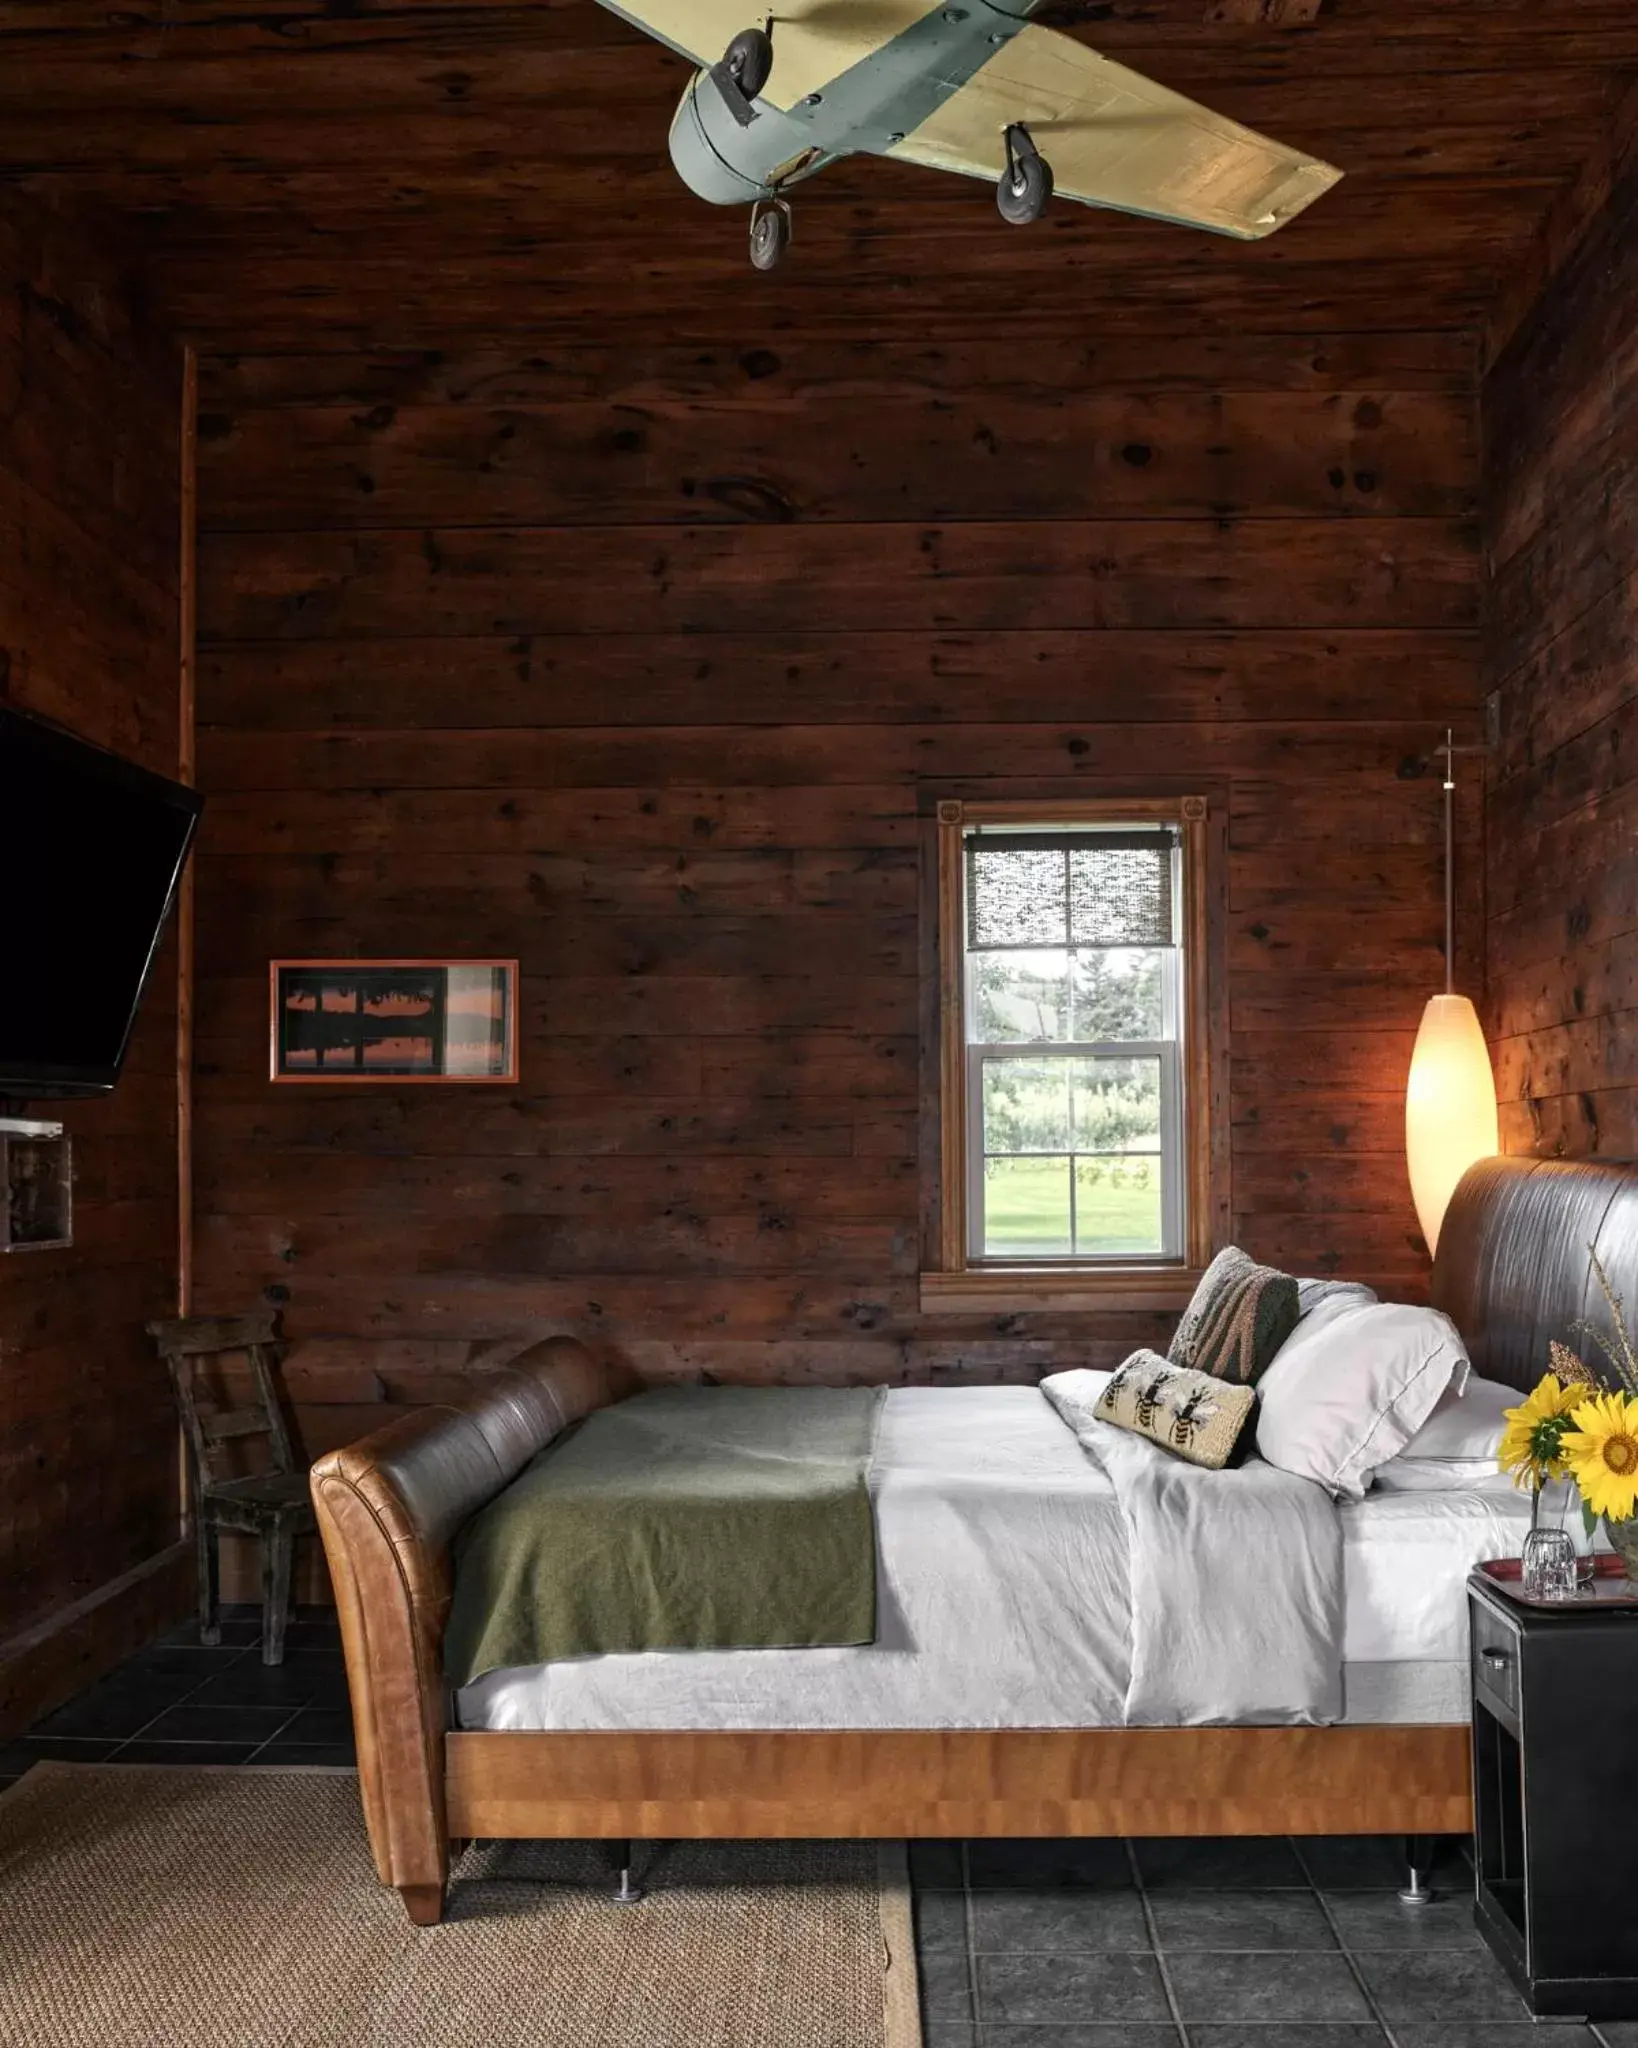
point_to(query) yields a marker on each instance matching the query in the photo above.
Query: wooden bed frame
(1511, 1271)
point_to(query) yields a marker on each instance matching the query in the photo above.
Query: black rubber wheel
(1023, 192)
(748, 60)
(770, 237)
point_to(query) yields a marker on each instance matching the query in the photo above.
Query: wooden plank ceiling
(352, 171)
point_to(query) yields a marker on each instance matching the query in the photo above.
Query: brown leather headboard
(1512, 1269)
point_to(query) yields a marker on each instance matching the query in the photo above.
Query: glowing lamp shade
(1450, 1107)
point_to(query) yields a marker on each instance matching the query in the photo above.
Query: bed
(890, 1740)
(992, 1526)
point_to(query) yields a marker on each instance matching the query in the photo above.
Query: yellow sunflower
(1601, 1451)
(1531, 1445)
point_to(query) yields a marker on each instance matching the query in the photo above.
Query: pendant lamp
(1450, 1100)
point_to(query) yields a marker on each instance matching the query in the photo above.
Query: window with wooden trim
(1075, 1070)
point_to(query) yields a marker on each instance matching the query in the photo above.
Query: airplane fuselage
(869, 107)
(729, 165)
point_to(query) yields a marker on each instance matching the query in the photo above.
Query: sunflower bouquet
(1577, 1425)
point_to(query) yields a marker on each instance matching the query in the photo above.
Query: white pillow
(1457, 1445)
(1330, 1297)
(1466, 1423)
(1347, 1392)
(1075, 1394)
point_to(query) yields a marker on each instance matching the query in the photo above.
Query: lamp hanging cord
(1449, 751)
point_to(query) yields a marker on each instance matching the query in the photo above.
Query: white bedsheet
(1002, 1596)
(1405, 1561)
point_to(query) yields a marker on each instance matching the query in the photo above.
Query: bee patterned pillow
(1192, 1413)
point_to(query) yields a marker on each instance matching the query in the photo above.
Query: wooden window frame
(951, 1278)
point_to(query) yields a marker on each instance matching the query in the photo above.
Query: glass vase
(1624, 1542)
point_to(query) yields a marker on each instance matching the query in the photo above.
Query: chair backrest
(192, 1343)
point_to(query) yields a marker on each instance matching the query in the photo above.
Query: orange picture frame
(388, 1023)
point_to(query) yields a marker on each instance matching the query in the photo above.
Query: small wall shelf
(36, 1186)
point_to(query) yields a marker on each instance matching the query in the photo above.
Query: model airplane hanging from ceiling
(968, 87)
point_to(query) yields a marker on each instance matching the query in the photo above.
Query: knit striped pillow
(1240, 1316)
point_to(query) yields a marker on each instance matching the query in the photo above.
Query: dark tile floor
(178, 1702)
(1145, 1944)
(1210, 1944)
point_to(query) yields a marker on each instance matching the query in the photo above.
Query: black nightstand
(1555, 1797)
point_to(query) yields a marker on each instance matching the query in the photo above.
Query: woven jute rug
(213, 1908)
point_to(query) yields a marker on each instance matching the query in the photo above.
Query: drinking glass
(1549, 1571)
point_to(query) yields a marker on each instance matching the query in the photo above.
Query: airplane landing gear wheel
(1026, 183)
(770, 233)
(748, 60)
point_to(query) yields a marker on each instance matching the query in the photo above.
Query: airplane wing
(1116, 139)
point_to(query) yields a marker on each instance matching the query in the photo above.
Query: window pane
(1118, 993)
(1027, 1105)
(1020, 998)
(1117, 1205)
(1116, 1105)
(1026, 1208)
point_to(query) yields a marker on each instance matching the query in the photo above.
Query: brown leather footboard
(387, 1509)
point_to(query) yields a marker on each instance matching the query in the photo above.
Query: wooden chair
(273, 1505)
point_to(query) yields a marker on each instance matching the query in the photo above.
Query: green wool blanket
(689, 1518)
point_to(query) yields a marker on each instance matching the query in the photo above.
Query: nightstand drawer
(1496, 1647)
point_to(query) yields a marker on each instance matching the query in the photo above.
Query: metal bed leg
(1418, 1855)
(626, 1892)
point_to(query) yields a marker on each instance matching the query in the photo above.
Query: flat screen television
(91, 852)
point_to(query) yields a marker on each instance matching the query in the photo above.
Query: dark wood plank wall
(89, 440)
(634, 662)
(1561, 430)
(316, 175)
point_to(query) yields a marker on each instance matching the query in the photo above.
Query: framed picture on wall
(394, 1021)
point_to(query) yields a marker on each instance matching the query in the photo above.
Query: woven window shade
(1069, 889)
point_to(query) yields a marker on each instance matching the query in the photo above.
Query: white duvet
(1236, 1579)
(1003, 1596)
